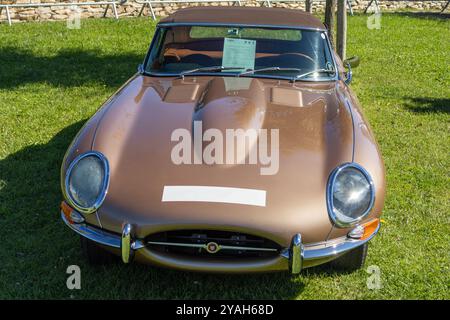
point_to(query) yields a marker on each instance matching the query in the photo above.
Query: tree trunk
(341, 39)
(308, 5)
(330, 11)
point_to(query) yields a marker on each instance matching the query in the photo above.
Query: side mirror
(350, 63)
(353, 61)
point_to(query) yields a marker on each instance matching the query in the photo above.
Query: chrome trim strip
(348, 105)
(99, 235)
(330, 189)
(310, 252)
(335, 249)
(204, 246)
(101, 197)
(246, 25)
(174, 244)
(332, 53)
(159, 26)
(98, 219)
(94, 234)
(156, 34)
(222, 74)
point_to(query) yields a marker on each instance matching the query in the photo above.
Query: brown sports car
(237, 147)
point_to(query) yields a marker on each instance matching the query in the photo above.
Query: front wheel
(94, 254)
(352, 260)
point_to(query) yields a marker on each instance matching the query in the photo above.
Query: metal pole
(368, 6)
(8, 16)
(115, 11)
(443, 9)
(151, 10)
(142, 9)
(104, 13)
(349, 3)
(377, 8)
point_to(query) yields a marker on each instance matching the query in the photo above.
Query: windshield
(241, 51)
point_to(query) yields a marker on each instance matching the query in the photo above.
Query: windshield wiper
(269, 69)
(214, 68)
(300, 76)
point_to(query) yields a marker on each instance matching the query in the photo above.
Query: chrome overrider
(296, 254)
(299, 255)
(127, 245)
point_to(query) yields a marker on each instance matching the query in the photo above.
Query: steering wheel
(172, 55)
(198, 58)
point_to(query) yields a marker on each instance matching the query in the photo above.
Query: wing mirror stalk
(350, 63)
(140, 69)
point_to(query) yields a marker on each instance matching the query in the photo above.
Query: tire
(94, 254)
(351, 261)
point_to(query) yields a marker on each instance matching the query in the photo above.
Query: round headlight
(86, 181)
(350, 195)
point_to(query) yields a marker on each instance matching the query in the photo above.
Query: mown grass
(52, 79)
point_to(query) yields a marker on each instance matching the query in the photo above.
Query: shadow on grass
(136, 280)
(144, 281)
(428, 105)
(65, 69)
(31, 175)
(37, 252)
(425, 15)
(29, 201)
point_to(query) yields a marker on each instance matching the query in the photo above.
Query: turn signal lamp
(71, 215)
(364, 230)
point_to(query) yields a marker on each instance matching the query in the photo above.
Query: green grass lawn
(53, 79)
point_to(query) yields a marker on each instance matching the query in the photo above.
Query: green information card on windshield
(239, 53)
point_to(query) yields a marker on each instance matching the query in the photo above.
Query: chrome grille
(202, 243)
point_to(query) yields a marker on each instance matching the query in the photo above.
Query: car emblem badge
(212, 247)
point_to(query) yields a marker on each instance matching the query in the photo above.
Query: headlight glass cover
(350, 194)
(87, 181)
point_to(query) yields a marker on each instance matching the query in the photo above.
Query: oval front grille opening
(212, 244)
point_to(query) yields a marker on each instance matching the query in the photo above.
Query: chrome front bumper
(295, 258)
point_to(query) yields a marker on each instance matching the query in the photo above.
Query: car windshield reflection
(186, 50)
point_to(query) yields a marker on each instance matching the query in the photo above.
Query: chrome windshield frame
(160, 26)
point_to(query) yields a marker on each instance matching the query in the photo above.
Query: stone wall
(131, 8)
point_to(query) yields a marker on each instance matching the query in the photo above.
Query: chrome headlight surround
(104, 185)
(330, 191)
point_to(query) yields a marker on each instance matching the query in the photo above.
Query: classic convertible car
(237, 147)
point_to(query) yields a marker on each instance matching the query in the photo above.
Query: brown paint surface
(321, 126)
